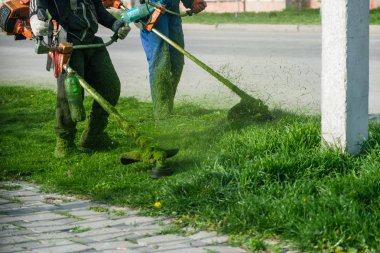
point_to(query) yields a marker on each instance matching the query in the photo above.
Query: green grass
(251, 180)
(99, 209)
(78, 229)
(288, 16)
(109, 211)
(19, 227)
(12, 199)
(118, 212)
(374, 17)
(10, 187)
(69, 215)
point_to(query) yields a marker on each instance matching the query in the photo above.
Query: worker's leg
(65, 127)
(101, 75)
(158, 56)
(176, 58)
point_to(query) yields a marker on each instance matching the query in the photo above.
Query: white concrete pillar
(345, 73)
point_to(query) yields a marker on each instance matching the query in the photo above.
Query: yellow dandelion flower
(157, 204)
(340, 250)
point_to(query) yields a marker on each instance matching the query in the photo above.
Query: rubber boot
(64, 148)
(161, 171)
(96, 141)
(163, 100)
(94, 137)
(163, 109)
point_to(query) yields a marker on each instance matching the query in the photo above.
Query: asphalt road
(282, 68)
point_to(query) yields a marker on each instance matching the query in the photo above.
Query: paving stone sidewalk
(32, 221)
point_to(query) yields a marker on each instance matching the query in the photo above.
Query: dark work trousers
(96, 67)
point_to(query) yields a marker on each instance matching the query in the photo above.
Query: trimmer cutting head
(249, 109)
(147, 156)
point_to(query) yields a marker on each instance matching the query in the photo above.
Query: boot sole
(163, 172)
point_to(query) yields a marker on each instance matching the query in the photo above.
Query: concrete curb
(375, 29)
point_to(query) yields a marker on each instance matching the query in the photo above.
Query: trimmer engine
(14, 18)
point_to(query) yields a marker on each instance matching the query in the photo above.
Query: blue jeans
(165, 63)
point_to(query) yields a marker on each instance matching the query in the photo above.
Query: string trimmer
(248, 107)
(14, 20)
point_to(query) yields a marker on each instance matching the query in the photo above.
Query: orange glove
(198, 6)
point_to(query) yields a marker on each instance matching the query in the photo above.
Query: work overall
(94, 65)
(165, 62)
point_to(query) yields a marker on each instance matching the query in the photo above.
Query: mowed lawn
(252, 180)
(288, 16)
